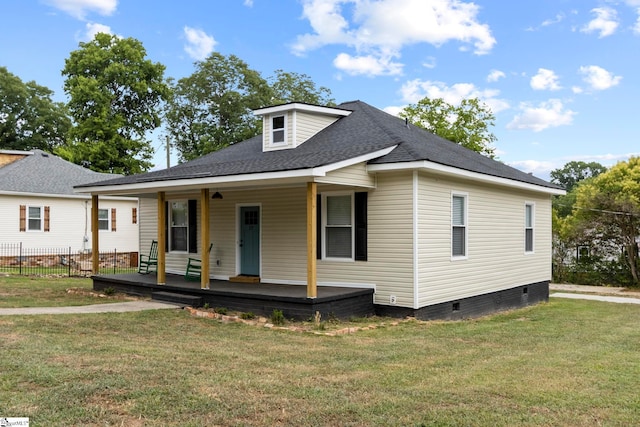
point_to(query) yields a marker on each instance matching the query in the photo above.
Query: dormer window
(278, 124)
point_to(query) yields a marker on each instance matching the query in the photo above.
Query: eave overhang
(240, 181)
(462, 173)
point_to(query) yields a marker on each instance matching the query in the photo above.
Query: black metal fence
(15, 258)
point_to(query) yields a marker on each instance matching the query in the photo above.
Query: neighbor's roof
(366, 130)
(43, 173)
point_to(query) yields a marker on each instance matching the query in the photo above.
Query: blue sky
(561, 76)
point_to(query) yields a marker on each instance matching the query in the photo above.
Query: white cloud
(366, 65)
(79, 8)
(558, 18)
(248, 3)
(430, 62)
(94, 28)
(543, 168)
(414, 90)
(598, 78)
(551, 113)
(495, 75)
(199, 44)
(545, 80)
(605, 22)
(382, 28)
(636, 27)
(540, 168)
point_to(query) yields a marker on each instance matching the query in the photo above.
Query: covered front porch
(258, 298)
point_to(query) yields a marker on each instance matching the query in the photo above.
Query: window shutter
(23, 218)
(361, 226)
(319, 226)
(193, 226)
(134, 215)
(113, 219)
(46, 218)
(166, 226)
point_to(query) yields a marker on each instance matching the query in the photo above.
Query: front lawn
(568, 363)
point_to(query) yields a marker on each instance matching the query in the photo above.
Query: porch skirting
(517, 297)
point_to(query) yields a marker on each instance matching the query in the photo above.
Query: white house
(39, 208)
(352, 197)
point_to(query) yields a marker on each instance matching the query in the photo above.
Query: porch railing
(16, 258)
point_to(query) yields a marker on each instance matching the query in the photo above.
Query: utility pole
(166, 138)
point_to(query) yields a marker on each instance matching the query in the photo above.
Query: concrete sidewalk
(118, 307)
(595, 293)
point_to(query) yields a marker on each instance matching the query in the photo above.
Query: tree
(29, 118)
(573, 172)
(212, 108)
(467, 124)
(294, 87)
(609, 208)
(115, 98)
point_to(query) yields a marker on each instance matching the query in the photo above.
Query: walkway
(594, 293)
(118, 307)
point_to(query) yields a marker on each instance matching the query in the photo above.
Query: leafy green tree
(573, 172)
(29, 118)
(570, 176)
(212, 108)
(609, 208)
(295, 87)
(467, 124)
(116, 96)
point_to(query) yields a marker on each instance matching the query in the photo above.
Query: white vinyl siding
(69, 223)
(355, 175)
(496, 260)
(309, 124)
(299, 127)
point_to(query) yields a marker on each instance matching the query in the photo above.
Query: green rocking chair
(149, 263)
(194, 267)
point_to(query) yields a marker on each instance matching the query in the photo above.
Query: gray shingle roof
(44, 173)
(366, 130)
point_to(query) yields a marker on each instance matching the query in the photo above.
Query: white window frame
(532, 227)
(171, 226)
(283, 129)
(325, 217)
(41, 218)
(104, 230)
(465, 225)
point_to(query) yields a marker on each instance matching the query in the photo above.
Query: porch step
(245, 279)
(190, 300)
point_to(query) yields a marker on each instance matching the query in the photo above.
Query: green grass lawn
(29, 291)
(565, 363)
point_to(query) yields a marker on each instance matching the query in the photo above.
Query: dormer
(289, 125)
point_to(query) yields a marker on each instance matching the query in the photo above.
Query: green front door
(250, 241)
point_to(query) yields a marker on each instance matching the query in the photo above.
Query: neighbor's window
(179, 226)
(103, 219)
(34, 218)
(338, 230)
(277, 130)
(528, 227)
(458, 225)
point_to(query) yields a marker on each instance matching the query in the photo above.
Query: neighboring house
(40, 209)
(353, 197)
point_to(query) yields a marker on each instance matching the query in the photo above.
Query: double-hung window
(278, 126)
(338, 227)
(458, 226)
(179, 226)
(529, 221)
(34, 220)
(103, 219)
